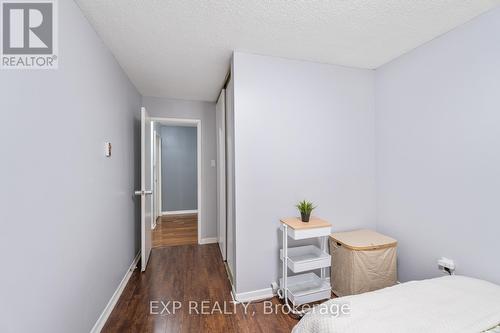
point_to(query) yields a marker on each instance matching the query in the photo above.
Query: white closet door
(221, 172)
(230, 209)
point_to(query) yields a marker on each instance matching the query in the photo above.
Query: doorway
(177, 181)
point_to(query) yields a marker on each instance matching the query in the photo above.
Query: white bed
(451, 304)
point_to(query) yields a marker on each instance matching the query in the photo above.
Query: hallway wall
(69, 218)
(179, 168)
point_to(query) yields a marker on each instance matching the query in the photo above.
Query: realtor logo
(29, 34)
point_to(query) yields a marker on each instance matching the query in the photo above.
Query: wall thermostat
(446, 265)
(107, 149)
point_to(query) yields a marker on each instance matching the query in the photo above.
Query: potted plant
(305, 208)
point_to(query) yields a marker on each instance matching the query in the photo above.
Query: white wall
(438, 152)
(302, 131)
(205, 111)
(68, 216)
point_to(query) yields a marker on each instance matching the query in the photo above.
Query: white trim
(229, 274)
(176, 121)
(194, 123)
(152, 165)
(153, 175)
(116, 295)
(178, 212)
(251, 296)
(160, 184)
(201, 218)
(208, 240)
(156, 175)
(256, 295)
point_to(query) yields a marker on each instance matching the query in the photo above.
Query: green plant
(305, 207)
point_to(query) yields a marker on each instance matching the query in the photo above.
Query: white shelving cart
(307, 286)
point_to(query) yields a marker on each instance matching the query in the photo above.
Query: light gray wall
(69, 219)
(438, 146)
(302, 131)
(205, 111)
(179, 168)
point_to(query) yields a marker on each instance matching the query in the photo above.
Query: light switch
(107, 149)
(212, 163)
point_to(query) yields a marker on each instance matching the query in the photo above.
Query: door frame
(156, 175)
(199, 159)
(160, 185)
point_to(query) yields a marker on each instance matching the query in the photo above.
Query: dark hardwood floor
(176, 230)
(188, 273)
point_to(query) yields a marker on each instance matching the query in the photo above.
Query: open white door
(221, 172)
(146, 188)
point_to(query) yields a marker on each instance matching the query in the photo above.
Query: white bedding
(495, 329)
(451, 304)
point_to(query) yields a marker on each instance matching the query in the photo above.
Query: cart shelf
(306, 288)
(306, 258)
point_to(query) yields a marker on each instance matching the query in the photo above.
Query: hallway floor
(176, 230)
(188, 274)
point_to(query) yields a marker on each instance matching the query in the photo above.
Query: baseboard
(209, 240)
(114, 299)
(229, 273)
(251, 296)
(180, 212)
(256, 295)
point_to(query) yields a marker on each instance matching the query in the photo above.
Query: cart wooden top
(297, 224)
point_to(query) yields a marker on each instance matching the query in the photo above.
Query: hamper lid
(363, 239)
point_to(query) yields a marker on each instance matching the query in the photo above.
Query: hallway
(176, 230)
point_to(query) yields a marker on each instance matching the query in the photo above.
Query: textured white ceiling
(182, 48)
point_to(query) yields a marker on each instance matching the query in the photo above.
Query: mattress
(450, 304)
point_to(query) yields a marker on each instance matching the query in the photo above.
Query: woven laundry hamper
(362, 260)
